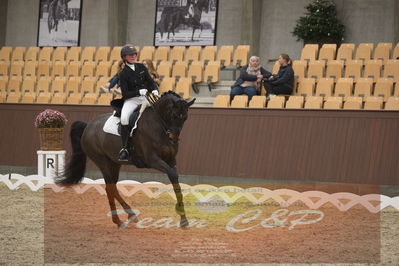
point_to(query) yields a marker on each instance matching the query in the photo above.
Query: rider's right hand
(143, 92)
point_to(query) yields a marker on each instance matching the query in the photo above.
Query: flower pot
(51, 139)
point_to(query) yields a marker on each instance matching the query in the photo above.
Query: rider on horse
(134, 82)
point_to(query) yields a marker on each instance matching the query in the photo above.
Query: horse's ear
(190, 102)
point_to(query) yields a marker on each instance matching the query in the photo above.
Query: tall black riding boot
(124, 153)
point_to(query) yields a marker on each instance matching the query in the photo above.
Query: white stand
(50, 163)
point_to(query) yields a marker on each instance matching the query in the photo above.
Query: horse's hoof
(184, 223)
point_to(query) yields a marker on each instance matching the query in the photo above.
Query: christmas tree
(320, 25)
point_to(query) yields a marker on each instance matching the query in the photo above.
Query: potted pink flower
(51, 128)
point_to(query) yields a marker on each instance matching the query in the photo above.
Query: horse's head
(173, 110)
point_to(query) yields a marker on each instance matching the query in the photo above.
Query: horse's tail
(76, 167)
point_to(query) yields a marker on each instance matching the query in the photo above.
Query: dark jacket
(244, 76)
(133, 81)
(284, 77)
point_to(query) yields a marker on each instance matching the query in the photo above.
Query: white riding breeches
(128, 107)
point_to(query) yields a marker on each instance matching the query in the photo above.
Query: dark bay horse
(172, 17)
(155, 142)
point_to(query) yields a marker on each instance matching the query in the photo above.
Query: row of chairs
(56, 98)
(384, 87)
(352, 69)
(227, 54)
(310, 102)
(346, 52)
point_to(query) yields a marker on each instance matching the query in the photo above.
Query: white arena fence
(343, 201)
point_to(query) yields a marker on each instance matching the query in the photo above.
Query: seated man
(249, 81)
(283, 82)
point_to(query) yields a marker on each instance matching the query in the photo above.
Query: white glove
(143, 92)
(155, 92)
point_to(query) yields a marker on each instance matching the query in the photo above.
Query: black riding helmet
(128, 49)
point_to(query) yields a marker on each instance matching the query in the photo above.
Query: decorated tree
(320, 24)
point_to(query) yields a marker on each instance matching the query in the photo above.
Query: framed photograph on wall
(185, 22)
(59, 22)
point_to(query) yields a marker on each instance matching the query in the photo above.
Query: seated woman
(283, 82)
(250, 79)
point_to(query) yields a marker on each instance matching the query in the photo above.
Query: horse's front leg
(162, 166)
(111, 193)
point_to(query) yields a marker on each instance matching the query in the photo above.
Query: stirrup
(123, 155)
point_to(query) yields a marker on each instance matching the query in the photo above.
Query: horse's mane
(169, 95)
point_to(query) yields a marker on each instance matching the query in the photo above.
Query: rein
(152, 99)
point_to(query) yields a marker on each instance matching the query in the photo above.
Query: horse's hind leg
(174, 179)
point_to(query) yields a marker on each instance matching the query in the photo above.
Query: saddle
(117, 105)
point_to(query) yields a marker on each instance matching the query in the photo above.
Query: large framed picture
(185, 22)
(59, 22)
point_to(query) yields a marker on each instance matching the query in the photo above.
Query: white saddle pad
(111, 125)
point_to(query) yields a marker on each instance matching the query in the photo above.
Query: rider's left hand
(155, 92)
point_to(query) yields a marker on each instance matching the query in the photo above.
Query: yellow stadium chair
(73, 53)
(195, 71)
(104, 99)
(146, 53)
(306, 86)
(60, 53)
(14, 97)
(240, 55)
(44, 97)
(364, 51)
(89, 85)
(73, 85)
(391, 70)
(88, 69)
(294, 102)
(333, 103)
(28, 84)
(276, 68)
(334, 69)
(28, 97)
(180, 69)
(102, 54)
(103, 69)
(363, 87)
(298, 66)
(44, 68)
(177, 54)
(74, 98)
(4, 66)
(372, 69)
(14, 83)
(313, 102)
(373, 103)
(59, 69)
(167, 84)
(392, 104)
(257, 101)
(353, 103)
(325, 87)
(345, 54)
(59, 98)
(193, 53)
(161, 54)
(30, 68)
(73, 69)
(58, 84)
(32, 53)
(18, 53)
(43, 84)
(344, 87)
(90, 98)
(354, 69)
(101, 82)
(384, 88)
(309, 52)
(183, 87)
(395, 53)
(115, 54)
(46, 53)
(88, 54)
(225, 55)
(5, 53)
(164, 69)
(383, 51)
(276, 102)
(3, 84)
(16, 68)
(316, 69)
(222, 101)
(211, 73)
(327, 52)
(115, 68)
(209, 53)
(3, 96)
(239, 101)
